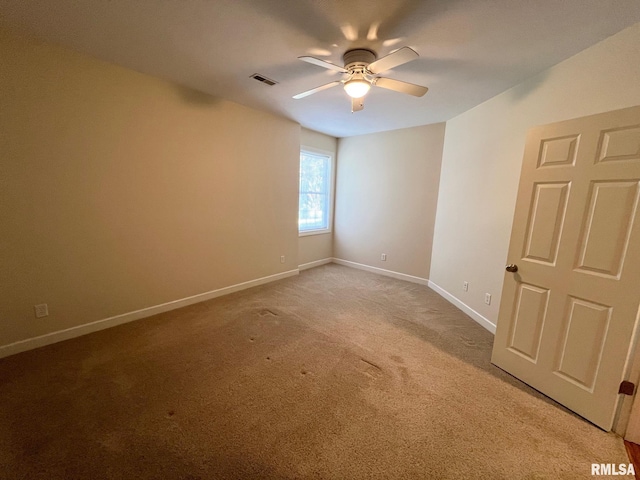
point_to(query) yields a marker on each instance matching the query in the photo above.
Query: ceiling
(470, 50)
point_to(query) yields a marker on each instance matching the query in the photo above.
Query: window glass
(315, 184)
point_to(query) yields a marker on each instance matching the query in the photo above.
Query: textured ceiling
(470, 50)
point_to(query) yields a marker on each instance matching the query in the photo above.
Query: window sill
(306, 233)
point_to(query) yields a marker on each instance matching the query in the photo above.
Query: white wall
(315, 248)
(387, 190)
(121, 191)
(483, 151)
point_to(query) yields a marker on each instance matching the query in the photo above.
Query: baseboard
(464, 307)
(381, 271)
(423, 281)
(317, 263)
(59, 336)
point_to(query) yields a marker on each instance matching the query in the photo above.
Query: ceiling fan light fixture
(357, 88)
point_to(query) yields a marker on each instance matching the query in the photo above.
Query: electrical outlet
(487, 298)
(281, 258)
(465, 286)
(41, 310)
(383, 257)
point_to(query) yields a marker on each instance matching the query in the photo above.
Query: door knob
(512, 267)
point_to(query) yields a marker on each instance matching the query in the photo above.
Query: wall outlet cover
(41, 310)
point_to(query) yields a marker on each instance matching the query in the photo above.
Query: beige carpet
(336, 373)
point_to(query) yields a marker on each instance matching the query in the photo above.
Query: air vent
(263, 79)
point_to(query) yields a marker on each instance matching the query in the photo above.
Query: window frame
(331, 187)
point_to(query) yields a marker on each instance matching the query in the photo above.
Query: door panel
(568, 315)
(531, 310)
(586, 328)
(546, 220)
(605, 234)
(620, 144)
(558, 151)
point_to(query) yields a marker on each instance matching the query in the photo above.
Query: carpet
(333, 374)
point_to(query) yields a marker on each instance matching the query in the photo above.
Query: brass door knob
(512, 267)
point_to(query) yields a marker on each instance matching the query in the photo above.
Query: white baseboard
(381, 271)
(317, 263)
(464, 307)
(54, 337)
(423, 281)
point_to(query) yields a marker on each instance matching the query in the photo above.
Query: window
(314, 208)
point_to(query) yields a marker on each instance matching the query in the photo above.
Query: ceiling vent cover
(263, 79)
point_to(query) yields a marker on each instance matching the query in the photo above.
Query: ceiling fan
(362, 67)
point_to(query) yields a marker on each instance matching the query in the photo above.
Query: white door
(568, 314)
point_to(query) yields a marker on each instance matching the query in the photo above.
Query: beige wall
(120, 191)
(312, 248)
(387, 190)
(482, 156)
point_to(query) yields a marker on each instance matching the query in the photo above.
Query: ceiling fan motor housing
(358, 58)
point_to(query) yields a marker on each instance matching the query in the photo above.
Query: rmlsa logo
(612, 469)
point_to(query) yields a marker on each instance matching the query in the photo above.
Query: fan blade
(357, 104)
(323, 63)
(398, 86)
(317, 89)
(404, 55)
